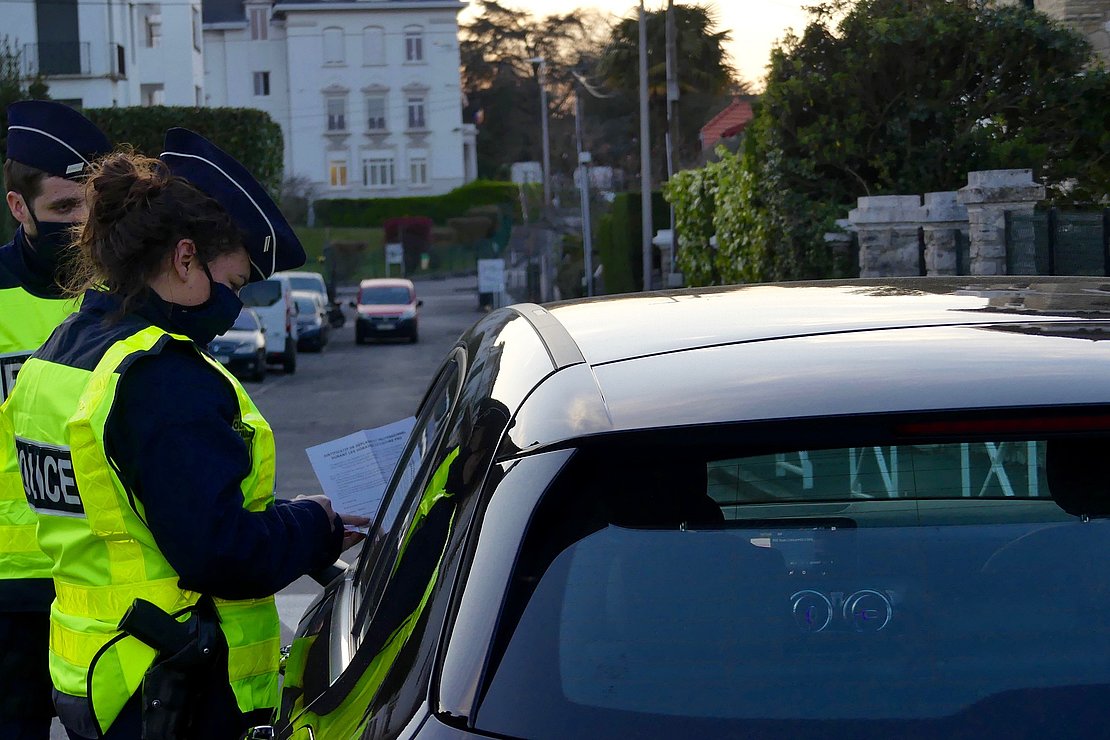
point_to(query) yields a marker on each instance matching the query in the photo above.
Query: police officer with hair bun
(150, 468)
(49, 152)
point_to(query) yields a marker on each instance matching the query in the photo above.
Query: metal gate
(1059, 242)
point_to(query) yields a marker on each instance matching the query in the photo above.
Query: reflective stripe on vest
(25, 323)
(104, 554)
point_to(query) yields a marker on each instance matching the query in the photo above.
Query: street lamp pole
(645, 153)
(546, 141)
(584, 193)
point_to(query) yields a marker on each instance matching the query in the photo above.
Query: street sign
(491, 276)
(394, 254)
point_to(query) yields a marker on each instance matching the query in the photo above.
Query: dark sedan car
(313, 329)
(864, 509)
(242, 348)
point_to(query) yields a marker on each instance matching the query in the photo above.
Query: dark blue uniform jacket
(19, 265)
(171, 439)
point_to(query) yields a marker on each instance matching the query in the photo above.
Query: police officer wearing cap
(152, 471)
(50, 147)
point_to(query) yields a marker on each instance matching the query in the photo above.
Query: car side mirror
(419, 303)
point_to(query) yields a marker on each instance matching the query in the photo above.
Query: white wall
(176, 64)
(312, 147)
(231, 59)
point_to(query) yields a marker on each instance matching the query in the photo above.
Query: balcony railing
(57, 58)
(74, 59)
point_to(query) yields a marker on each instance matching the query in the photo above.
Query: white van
(272, 300)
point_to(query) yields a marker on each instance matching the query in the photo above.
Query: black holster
(186, 692)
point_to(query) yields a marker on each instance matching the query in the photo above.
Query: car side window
(404, 492)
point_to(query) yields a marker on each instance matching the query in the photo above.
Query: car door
(350, 636)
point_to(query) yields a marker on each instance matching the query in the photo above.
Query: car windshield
(261, 294)
(306, 307)
(384, 295)
(836, 591)
(246, 321)
(312, 284)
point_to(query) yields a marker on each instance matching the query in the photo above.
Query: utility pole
(546, 143)
(584, 192)
(645, 153)
(672, 119)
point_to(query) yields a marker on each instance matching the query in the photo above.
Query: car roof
(780, 351)
(386, 282)
(306, 294)
(621, 327)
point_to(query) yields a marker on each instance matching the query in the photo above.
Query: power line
(590, 88)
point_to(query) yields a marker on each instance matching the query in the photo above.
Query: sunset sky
(755, 25)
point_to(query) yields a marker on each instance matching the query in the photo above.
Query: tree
(12, 89)
(502, 83)
(907, 96)
(706, 83)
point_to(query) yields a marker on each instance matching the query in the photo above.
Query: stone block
(943, 207)
(1000, 187)
(885, 210)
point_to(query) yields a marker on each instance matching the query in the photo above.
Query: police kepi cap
(268, 237)
(53, 138)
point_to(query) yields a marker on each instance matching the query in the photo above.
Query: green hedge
(363, 212)
(619, 243)
(249, 135)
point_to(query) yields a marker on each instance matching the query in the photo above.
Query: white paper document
(354, 470)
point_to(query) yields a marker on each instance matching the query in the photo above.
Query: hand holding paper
(355, 470)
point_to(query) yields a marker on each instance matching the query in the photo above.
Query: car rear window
(854, 591)
(384, 296)
(306, 306)
(313, 284)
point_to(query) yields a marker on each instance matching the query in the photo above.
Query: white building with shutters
(367, 92)
(98, 54)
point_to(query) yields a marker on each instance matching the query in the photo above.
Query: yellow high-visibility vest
(26, 321)
(103, 554)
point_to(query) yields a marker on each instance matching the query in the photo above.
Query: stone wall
(989, 196)
(892, 229)
(887, 227)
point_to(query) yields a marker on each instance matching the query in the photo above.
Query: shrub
(469, 229)
(619, 243)
(439, 208)
(415, 235)
(249, 135)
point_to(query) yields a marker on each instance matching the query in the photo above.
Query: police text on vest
(48, 479)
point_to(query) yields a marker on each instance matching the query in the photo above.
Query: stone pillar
(840, 246)
(944, 219)
(989, 196)
(887, 229)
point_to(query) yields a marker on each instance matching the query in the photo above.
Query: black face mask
(51, 243)
(205, 322)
